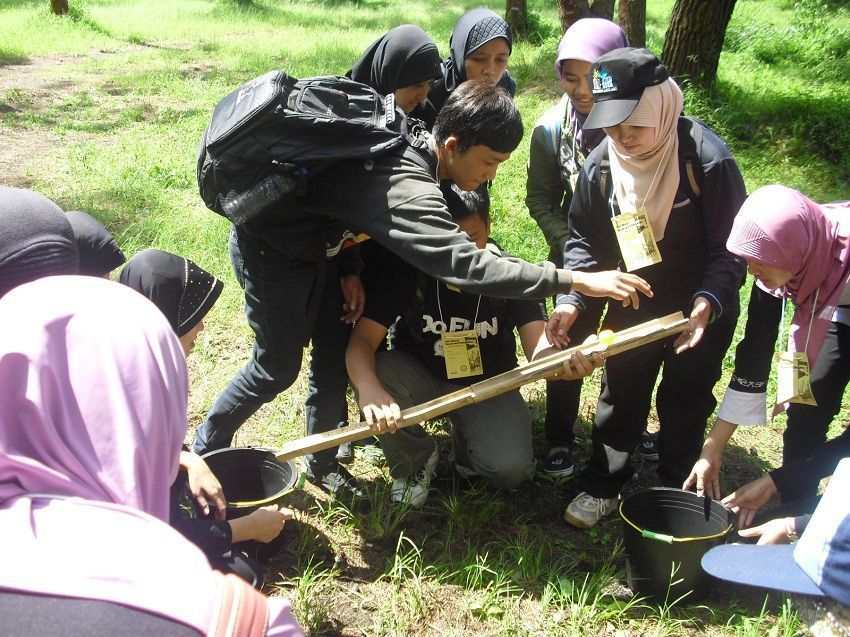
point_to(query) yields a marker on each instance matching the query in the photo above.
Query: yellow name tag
(793, 380)
(463, 356)
(637, 243)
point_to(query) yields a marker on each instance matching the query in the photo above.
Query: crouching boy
(445, 338)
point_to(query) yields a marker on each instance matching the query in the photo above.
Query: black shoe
(647, 449)
(558, 464)
(338, 482)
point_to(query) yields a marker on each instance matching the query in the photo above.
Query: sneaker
(467, 473)
(345, 453)
(558, 464)
(585, 510)
(647, 449)
(338, 482)
(414, 489)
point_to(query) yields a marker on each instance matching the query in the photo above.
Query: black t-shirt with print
(417, 309)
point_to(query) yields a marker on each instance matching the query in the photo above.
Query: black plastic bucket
(251, 478)
(666, 532)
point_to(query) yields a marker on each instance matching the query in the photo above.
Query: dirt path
(27, 152)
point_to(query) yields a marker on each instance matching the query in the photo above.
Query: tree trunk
(601, 9)
(695, 38)
(516, 15)
(632, 18)
(570, 11)
(59, 7)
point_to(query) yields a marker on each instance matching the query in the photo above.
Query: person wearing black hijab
(36, 239)
(481, 44)
(181, 290)
(404, 62)
(99, 253)
(185, 293)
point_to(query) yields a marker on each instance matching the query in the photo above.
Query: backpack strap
(690, 153)
(690, 156)
(604, 168)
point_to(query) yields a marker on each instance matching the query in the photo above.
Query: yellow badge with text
(463, 355)
(793, 380)
(637, 243)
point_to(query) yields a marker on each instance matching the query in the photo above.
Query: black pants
(563, 398)
(684, 402)
(808, 425)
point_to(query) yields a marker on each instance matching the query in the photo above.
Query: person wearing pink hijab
(658, 196)
(93, 392)
(558, 148)
(800, 250)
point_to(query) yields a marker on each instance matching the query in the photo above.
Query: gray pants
(493, 437)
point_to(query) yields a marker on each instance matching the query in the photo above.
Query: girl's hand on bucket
(771, 532)
(203, 484)
(747, 500)
(263, 525)
(705, 475)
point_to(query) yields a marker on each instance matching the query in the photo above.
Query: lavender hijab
(93, 393)
(586, 40)
(782, 228)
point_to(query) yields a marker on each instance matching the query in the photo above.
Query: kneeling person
(444, 338)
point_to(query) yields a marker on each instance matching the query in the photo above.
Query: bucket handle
(669, 539)
(661, 537)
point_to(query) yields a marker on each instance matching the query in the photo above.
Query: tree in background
(516, 15)
(570, 11)
(631, 15)
(695, 38)
(59, 7)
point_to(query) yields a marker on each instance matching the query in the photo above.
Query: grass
(102, 111)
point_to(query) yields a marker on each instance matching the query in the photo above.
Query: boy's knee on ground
(507, 473)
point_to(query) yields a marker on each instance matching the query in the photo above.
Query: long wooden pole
(545, 367)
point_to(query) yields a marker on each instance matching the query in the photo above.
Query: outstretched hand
(559, 324)
(620, 286)
(747, 500)
(697, 322)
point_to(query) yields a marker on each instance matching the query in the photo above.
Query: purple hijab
(586, 40)
(93, 392)
(782, 228)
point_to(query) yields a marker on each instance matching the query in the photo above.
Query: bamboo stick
(545, 367)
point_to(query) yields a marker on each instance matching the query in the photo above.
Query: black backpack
(267, 137)
(689, 130)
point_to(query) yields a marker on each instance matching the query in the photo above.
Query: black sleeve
(389, 284)
(213, 537)
(754, 354)
(820, 463)
(723, 194)
(592, 246)
(524, 312)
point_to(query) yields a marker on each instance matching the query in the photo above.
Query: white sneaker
(585, 510)
(414, 489)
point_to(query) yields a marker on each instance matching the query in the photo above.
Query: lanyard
(440, 308)
(783, 347)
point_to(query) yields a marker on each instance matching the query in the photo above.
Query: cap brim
(765, 566)
(610, 113)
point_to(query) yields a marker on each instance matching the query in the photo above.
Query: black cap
(617, 80)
